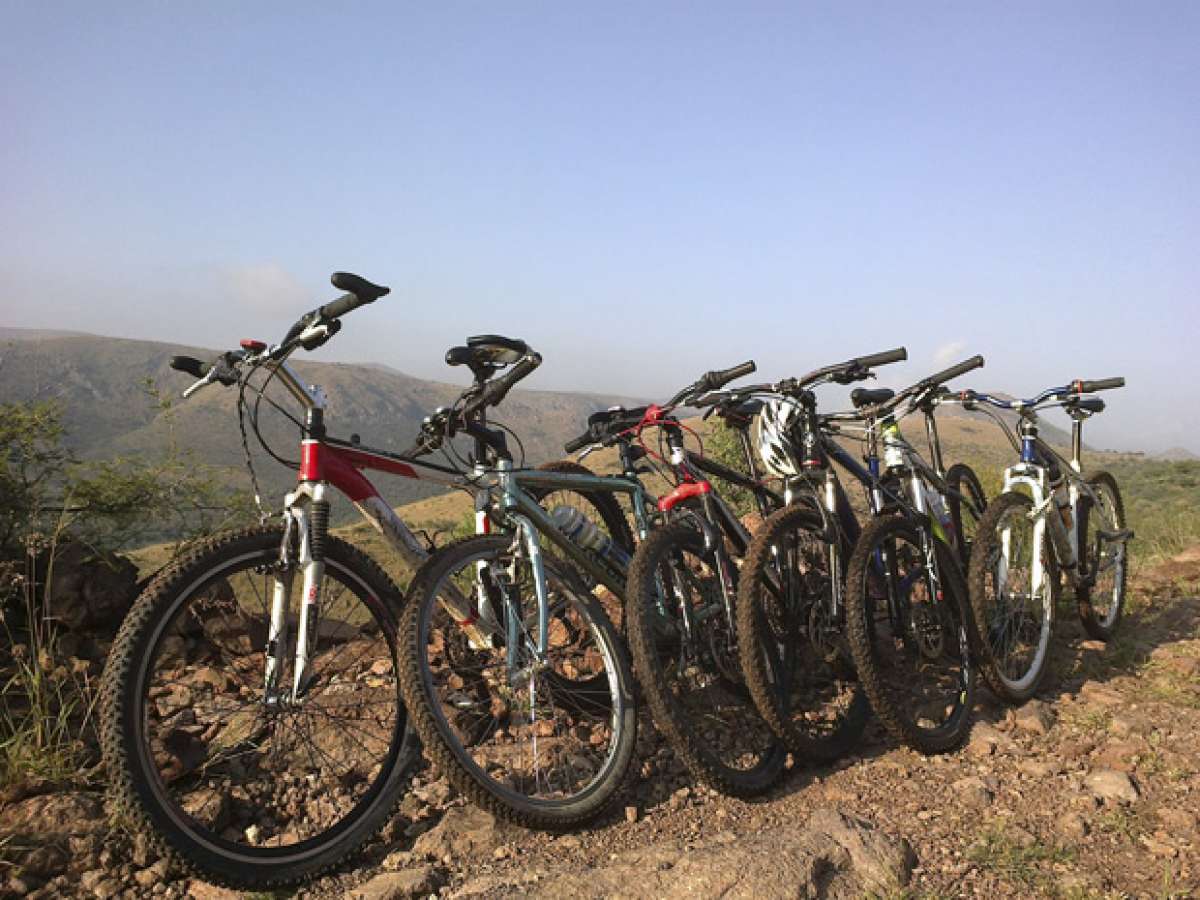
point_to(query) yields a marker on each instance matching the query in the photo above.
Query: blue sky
(642, 191)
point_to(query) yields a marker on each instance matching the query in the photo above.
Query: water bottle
(583, 532)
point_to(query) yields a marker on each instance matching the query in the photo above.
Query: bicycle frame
(1033, 472)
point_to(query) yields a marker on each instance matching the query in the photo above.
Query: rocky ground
(1092, 790)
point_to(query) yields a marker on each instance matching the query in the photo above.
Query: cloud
(267, 288)
(949, 353)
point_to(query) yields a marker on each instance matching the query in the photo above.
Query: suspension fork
(281, 591)
(312, 566)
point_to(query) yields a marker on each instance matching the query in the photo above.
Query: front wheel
(907, 620)
(245, 785)
(693, 682)
(543, 742)
(791, 641)
(1013, 586)
(1102, 558)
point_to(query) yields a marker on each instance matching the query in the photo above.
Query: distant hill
(1176, 454)
(101, 383)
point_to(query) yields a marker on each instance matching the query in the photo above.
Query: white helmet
(774, 430)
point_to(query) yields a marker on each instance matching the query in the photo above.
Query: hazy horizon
(642, 193)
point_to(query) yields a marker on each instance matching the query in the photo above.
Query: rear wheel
(245, 789)
(1013, 588)
(967, 503)
(907, 620)
(1102, 561)
(695, 687)
(544, 743)
(793, 651)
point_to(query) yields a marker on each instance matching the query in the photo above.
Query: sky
(642, 191)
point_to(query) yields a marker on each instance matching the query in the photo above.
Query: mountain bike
(1051, 521)
(681, 595)
(793, 593)
(537, 724)
(809, 564)
(252, 721)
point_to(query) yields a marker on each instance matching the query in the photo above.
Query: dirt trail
(1091, 790)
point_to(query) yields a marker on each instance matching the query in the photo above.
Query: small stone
(986, 740)
(89, 880)
(1071, 826)
(1157, 846)
(1035, 717)
(973, 790)
(420, 882)
(1111, 785)
(1101, 696)
(631, 814)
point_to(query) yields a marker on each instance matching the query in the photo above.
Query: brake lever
(202, 383)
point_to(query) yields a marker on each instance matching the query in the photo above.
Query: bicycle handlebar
(1104, 384)
(495, 391)
(881, 359)
(967, 365)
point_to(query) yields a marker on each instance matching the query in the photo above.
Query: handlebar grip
(955, 370)
(342, 305)
(189, 365)
(721, 377)
(497, 390)
(881, 359)
(1104, 384)
(578, 443)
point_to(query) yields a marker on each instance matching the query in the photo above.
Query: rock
(1039, 768)
(987, 739)
(1157, 846)
(1035, 717)
(1112, 786)
(147, 877)
(436, 793)
(89, 880)
(463, 831)
(92, 591)
(20, 885)
(833, 856)
(107, 888)
(972, 790)
(1101, 696)
(1124, 725)
(44, 861)
(420, 882)
(1071, 826)
(1122, 756)
(55, 815)
(631, 814)
(202, 890)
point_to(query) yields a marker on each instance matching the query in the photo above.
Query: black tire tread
(860, 640)
(977, 577)
(1087, 615)
(158, 592)
(422, 718)
(650, 676)
(749, 627)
